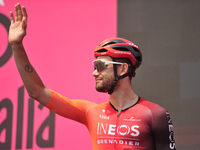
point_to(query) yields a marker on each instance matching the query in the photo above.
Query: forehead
(106, 58)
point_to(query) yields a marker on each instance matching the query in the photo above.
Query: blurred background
(168, 35)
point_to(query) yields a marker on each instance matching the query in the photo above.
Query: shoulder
(156, 111)
(150, 105)
(105, 104)
(58, 99)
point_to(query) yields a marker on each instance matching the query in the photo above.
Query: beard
(105, 84)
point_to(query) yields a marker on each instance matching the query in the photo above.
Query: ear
(123, 69)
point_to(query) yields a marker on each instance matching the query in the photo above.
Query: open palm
(18, 25)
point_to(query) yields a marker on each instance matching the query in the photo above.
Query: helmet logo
(104, 53)
(132, 44)
(120, 52)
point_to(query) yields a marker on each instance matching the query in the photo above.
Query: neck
(123, 96)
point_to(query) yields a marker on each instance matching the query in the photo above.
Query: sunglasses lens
(99, 66)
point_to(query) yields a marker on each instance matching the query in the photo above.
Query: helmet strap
(117, 78)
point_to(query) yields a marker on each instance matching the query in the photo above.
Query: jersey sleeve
(163, 130)
(71, 109)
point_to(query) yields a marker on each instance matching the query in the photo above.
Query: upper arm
(71, 109)
(163, 130)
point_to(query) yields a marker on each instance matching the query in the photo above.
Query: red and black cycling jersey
(143, 126)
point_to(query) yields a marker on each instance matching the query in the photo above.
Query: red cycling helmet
(120, 48)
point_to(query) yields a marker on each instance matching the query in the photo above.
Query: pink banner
(61, 37)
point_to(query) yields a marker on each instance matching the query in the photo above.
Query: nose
(95, 73)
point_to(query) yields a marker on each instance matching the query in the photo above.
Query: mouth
(97, 80)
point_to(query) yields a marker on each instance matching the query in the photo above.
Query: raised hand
(18, 25)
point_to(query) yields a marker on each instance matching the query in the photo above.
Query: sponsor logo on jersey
(104, 117)
(112, 129)
(171, 132)
(113, 134)
(117, 141)
(106, 111)
(131, 119)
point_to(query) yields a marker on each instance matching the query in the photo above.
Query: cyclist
(124, 122)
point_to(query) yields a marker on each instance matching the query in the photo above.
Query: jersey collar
(125, 108)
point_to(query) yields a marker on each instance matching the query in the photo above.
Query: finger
(25, 16)
(12, 17)
(19, 12)
(16, 13)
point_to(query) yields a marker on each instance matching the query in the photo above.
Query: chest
(128, 128)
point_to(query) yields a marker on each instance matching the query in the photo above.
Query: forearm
(32, 81)
(30, 78)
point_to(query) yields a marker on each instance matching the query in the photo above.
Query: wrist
(17, 45)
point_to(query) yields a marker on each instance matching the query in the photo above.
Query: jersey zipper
(116, 123)
(118, 113)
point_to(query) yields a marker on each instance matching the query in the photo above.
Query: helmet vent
(137, 55)
(121, 49)
(112, 42)
(108, 43)
(138, 58)
(101, 50)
